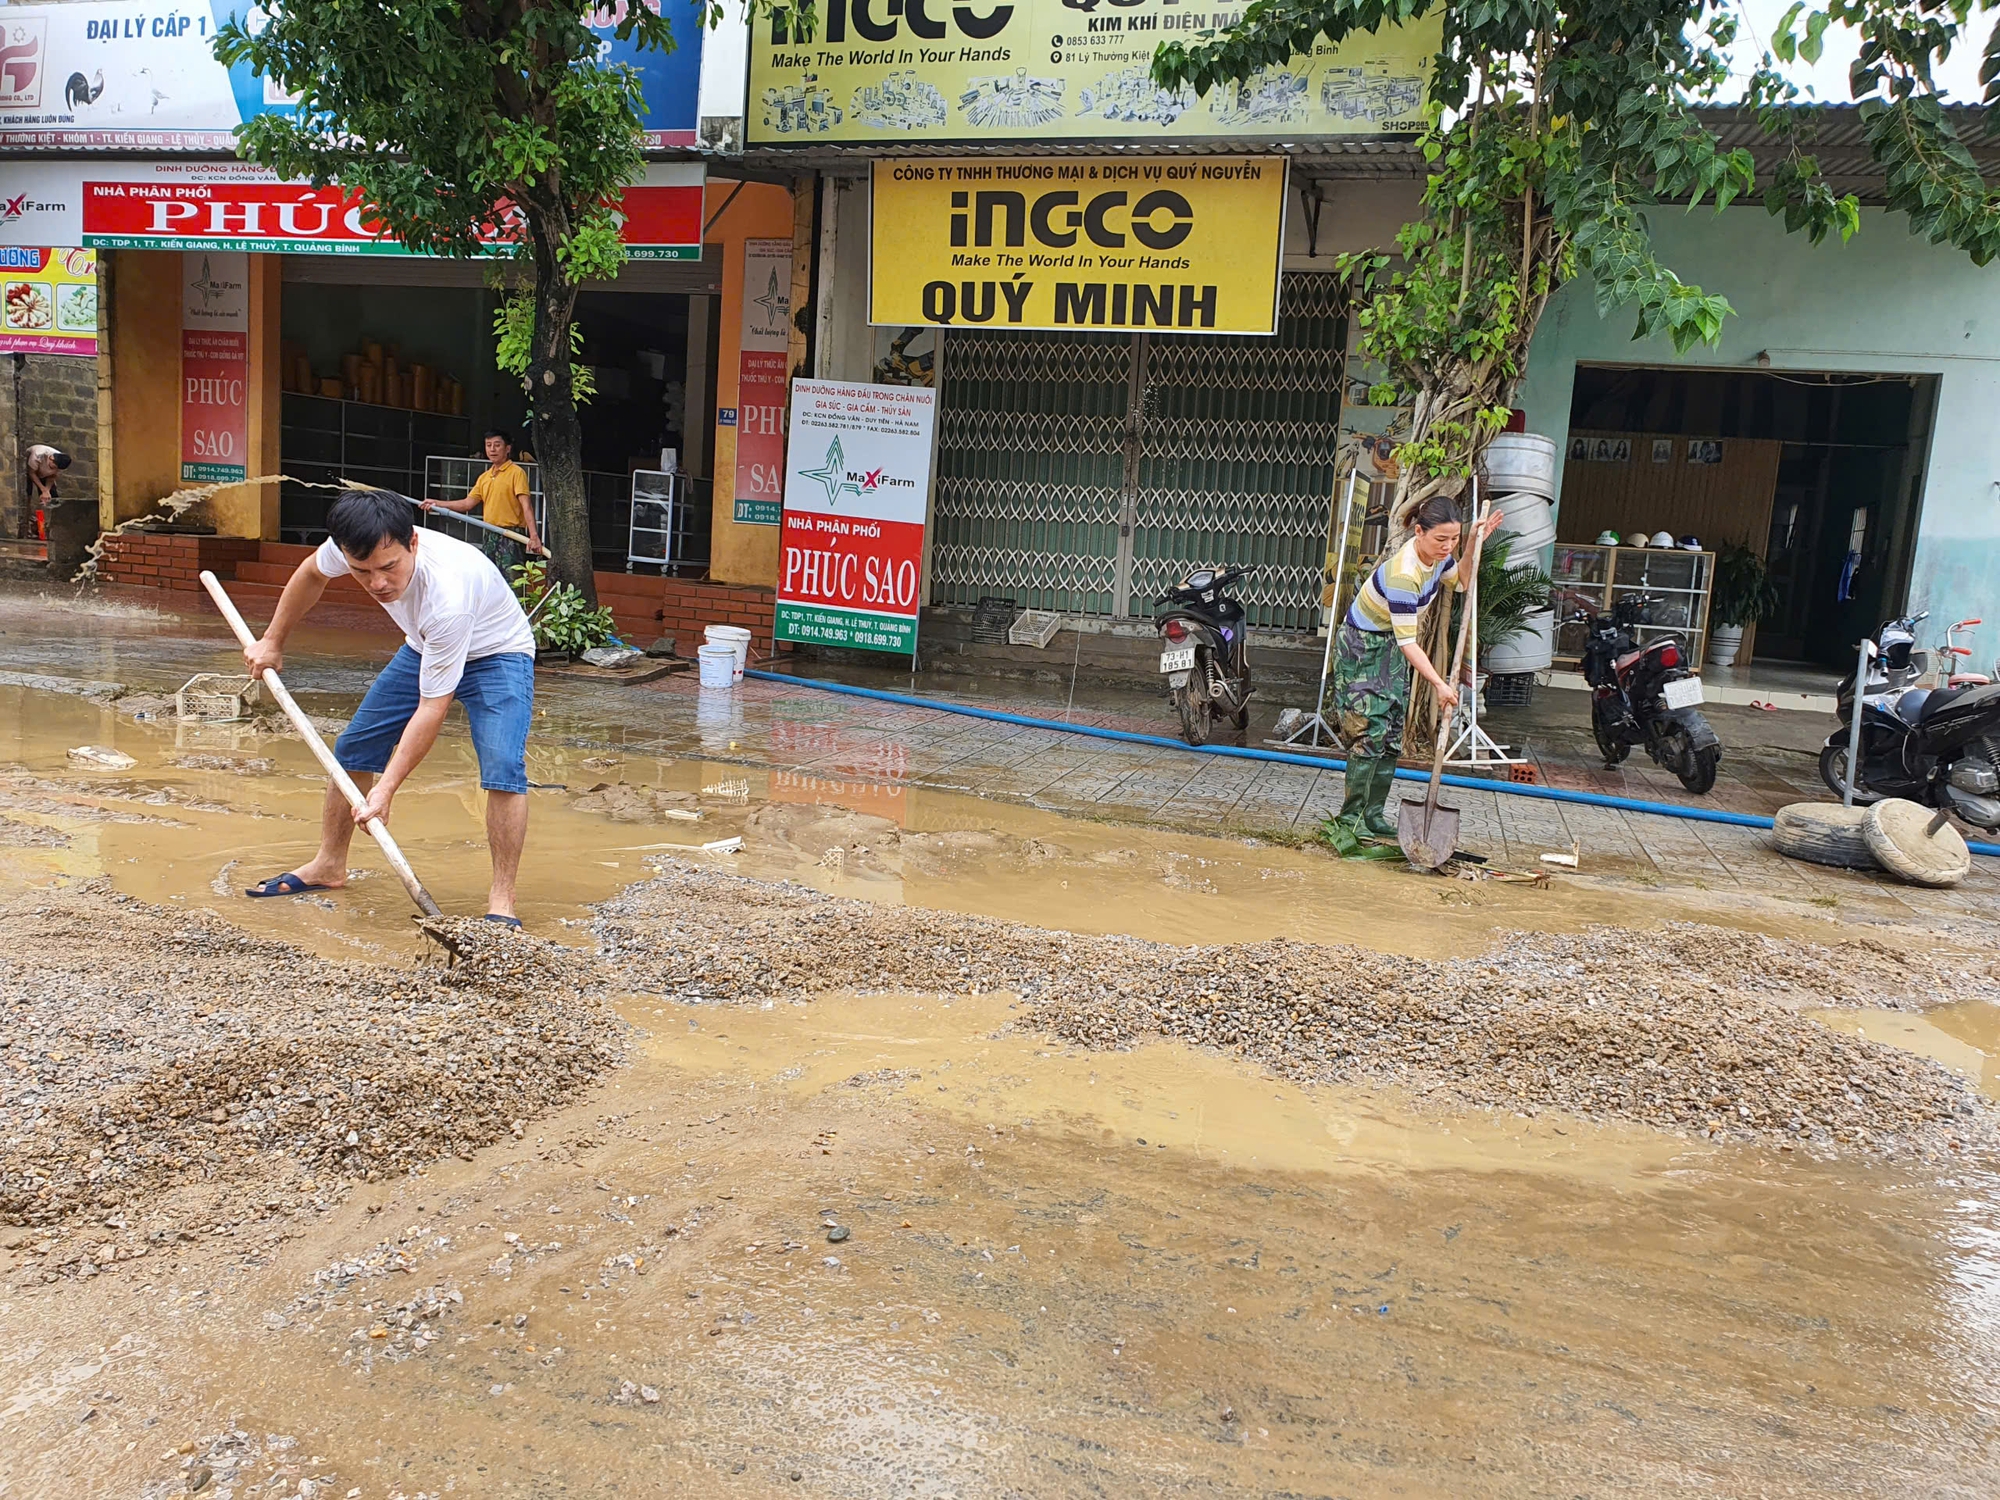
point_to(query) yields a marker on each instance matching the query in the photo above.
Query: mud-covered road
(960, 1151)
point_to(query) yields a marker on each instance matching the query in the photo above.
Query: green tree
(1555, 130)
(463, 124)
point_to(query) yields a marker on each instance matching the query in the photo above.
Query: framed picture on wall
(1704, 451)
(1621, 451)
(1579, 450)
(1600, 451)
(1663, 450)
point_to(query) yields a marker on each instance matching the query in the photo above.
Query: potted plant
(565, 625)
(1744, 595)
(1510, 596)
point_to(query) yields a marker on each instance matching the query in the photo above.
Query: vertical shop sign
(760, 378)
(857, 485)
(215, 366)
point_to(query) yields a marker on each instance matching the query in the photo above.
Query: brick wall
(46, 398)
(645, 608)
(152, 560)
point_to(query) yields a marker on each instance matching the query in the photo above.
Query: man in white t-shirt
(464, 637)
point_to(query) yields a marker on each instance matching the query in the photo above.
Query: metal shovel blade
(1428, 832)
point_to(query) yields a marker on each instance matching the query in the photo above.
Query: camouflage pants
(507, 554)
(1371, 687)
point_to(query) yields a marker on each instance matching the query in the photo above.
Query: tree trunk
(558, 435)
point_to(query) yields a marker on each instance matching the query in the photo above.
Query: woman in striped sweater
(1378, 650)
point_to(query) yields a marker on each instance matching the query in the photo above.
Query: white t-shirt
(457, 608)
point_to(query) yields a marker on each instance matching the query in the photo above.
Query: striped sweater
(1397, 591)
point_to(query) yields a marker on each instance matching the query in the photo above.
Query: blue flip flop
(281, 885)
(510, 922)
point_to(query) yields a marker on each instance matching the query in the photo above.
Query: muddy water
(1965, 1037)
(209, 830)
(1155, 1272)
(1146, 1273)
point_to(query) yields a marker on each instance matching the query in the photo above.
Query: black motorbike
(1938, 747)
(1646, 695)
(1204, 652)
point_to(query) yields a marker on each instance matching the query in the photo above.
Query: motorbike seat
(1628, 658)
(1934, 700)
(1910, 705)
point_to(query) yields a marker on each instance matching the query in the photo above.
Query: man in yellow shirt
(501, 493)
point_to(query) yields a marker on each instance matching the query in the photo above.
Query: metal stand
(1472, 745)
(1313, 732)
(1854, 729)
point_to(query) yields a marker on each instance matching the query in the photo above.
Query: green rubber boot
(1375, 815)
(1360, 781)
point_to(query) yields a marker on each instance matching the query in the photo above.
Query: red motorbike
(1646, 694)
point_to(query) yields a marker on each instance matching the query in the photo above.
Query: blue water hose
(1281, 758)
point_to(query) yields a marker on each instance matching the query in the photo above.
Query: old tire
(1898, 835)
(1823, 834)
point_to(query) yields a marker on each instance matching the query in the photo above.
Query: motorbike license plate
(1683, 694)
(1177, 661)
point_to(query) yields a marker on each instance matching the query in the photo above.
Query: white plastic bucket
(1533, 650)
(1531, 522)
(736, 638)
(718, 664)
(1524, 461)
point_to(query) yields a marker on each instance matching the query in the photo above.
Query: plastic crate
(1034, 627)
(1510, 689)
(214, 698)
(990, 619)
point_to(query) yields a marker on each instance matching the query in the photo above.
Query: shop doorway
(1820, 473)
(390, 379)
(1086, 473)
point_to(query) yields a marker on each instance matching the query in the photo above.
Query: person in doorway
(1378, 648)
(44, 463)
(501, 496)
(465, 637)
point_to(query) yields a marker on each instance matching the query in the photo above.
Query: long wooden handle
(377, 829)
(1458, 653)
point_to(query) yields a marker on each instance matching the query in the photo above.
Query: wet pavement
(813, 746)
(1159, 1271)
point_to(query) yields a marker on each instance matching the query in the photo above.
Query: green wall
(1885, 302)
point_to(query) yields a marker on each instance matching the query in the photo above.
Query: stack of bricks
(689, 607)
(156, 560)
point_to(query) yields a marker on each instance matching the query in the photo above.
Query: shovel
(376, 828)
(1428, 832)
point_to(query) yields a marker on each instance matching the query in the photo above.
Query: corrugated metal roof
(1325, 156)
(1832, 134)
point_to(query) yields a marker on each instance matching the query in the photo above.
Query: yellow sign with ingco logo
(1177, 244)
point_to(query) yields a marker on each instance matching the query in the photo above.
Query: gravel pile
(1688, 1027)
(144, 1051)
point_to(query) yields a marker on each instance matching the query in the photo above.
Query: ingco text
(995, 218)
(933, 20)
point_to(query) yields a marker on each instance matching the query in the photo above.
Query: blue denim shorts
(499, 697)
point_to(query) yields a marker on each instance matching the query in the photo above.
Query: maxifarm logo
(837, 479)
(17, 206)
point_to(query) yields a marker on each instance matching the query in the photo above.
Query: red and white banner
(215, 366)
(762, 370)
(231, 206)
(857, 490)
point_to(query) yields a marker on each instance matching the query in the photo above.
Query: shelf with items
(324, 439)
(1593, 578)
